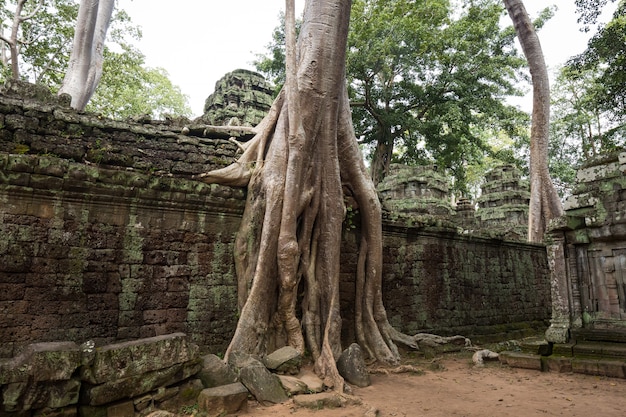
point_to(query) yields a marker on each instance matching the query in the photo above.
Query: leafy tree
(38, 39)
(427, 81)
(430, 78)
(606, 56)
(296, 170)
(589, 11)
(129, 88)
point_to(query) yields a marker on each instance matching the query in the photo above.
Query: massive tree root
(296, 168)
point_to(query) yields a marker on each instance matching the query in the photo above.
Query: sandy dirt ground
(452, 386)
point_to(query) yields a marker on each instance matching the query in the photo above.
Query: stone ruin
(421, 195)
(241, 98)
(164, 373)
(587, 257)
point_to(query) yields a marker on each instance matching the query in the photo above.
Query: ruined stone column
(560, 323)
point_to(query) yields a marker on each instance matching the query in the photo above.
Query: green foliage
(430, 79)
(606, 54)
(127, 88)
(272, 66)
(45, 40)
(427, 81)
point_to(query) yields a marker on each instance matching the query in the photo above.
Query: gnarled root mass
(296, 168)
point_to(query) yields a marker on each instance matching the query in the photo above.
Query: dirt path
(457, 388)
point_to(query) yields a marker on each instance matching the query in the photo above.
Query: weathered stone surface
(125, 409)
(71, 411)
(521, 360)
(185, 395)
(49, 361)
(36, 395)
(108, 237)
(128, 359)
(138, 385)
(293, 385)
(284, 360)
(261, 383)
(319, 401)
(241, 97)
(351, 366)
(226, 399)
(312, 381)
(215, 372)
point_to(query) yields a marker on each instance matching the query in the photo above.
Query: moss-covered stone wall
(105, 235)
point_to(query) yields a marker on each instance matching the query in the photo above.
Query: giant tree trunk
(544, 200)
(86, 59)
(296, 170)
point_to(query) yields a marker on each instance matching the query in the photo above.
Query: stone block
(36, 395)
(312, 381)
(611, 368)
(598, 172)
(138, 385)
(351, 366)
(557, 364)
(261, 383)
(292, 384)
(56, 412)
(521, 360)
(215, 372)
(186, 395)
(49, 361)
(284, 360)
(319, 400)
(227, 399)
(125, 409)
(585, 366)
(122, 360)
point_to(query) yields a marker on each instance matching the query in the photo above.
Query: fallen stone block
(351, 366)
(121, 360)
(285, 360)
(312, 381)
(50, 361)
(138, 385)
(521, 360)
(264, 385)
(293, 385)
(215, 372)
(319, 401)
(226, 399)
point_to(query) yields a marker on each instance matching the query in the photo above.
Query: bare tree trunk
(296, 168)
(544, 200)
(85, 67)
(13, 40)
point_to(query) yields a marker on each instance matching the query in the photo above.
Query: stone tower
(241, 98)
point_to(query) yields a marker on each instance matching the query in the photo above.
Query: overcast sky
(198, 41)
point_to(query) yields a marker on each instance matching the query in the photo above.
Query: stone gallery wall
(106, 236)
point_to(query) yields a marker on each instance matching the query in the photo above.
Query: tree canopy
(427, 82)
(44, 41)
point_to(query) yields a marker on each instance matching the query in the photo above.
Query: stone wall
(125, 379)
(106, 236)
(587, 247)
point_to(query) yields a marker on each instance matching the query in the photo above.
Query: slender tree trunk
(544, 200)
(296, 168)
(13, 40)
(86, 59)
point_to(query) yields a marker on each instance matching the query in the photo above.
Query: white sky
(198, 41)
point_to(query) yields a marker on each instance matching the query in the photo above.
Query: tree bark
(544, 200)
(296, 168)
(86, 59)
